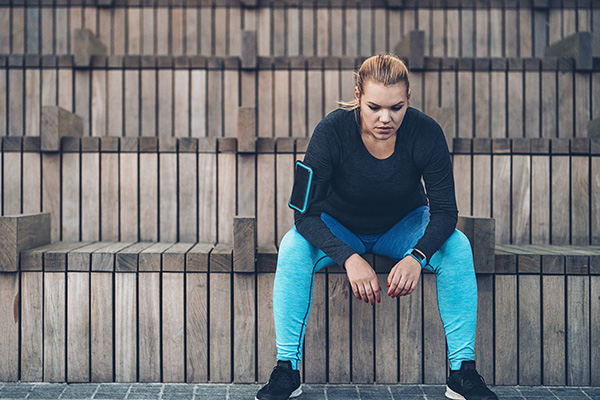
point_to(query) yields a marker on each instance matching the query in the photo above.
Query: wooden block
(501, 197)
(220, 327)
(578, 330)
(207, 198)
(226, 196)
(221, 258)
(197, 258)
(412, 49)
(20, 233)
(246, 134)
(386, 344)
(126, 260)
(434, 347)
(577, 46)
(244, 244)
(540, 214)
(505, 262)
(57, 123)
(197, 327)
(529, 330)
(173, 259)
(173, 353)
(104, 259)
(55, 259)
(244, 321)
(101, 327)
(125, 327)
(187, 200)
(339, 312)
(363, 351)
(485, 325)
(149, 327)
(506, 330)
(81, 259)
(150, 259)
(560, 199)
(78, 323)
(9, 326)
(85, 46)
(481, 234)
(249, 50)
(55, 351)
(31, 327)
(266, 258)
(554, 333)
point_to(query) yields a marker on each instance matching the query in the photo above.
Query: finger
(400, 287)
(412, 287)
(390, 279)
(355, 291)
(363, 293)
(370, 294)
(406, 287)
(376, 290)
(393, 283)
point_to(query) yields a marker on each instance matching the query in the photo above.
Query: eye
(397, 108)
(374, 108)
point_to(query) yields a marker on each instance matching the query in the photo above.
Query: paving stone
(145, 392)
(112, 391)
(177, 391)
(434, 390)
(374, 392)
(79, 391)
(406, 390)
(209, 392)
(593, 392)
(313, 392)
(16, 390)
(536, 392)
(47, 391)
(341, 392)
(243, 392)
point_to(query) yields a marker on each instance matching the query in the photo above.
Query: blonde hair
(385, 69)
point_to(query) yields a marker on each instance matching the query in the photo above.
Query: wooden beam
(19, 233)
(481, 234)
(412, 49)
(249, 50)
(244, 244)
(577, 46)
(86, 45)
(56, 124)
(246, 134)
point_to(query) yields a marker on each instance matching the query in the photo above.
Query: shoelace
(280, 378)
(471, 379)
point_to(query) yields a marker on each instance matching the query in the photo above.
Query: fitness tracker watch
(417, 256)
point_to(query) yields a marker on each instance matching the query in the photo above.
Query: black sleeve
(432, 153)
(322, 154)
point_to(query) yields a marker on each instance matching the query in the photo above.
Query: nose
(385, 116)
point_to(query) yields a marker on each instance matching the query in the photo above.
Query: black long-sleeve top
(369, 195)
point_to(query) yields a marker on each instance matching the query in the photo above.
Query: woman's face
(382, 108)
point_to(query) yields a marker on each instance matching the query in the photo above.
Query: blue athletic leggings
(452, 264)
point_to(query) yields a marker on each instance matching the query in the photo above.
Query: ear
(408, 97)
(356, 93)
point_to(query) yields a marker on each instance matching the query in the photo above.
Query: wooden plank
(82, 98)
(532, 104)
(566, 109)
(220, 328)
(54, 327)
(147, 35)
(231, 101)
(173, 328)
(332, 90)
(431, 93)
(32, 104)
(506, 330)
(188, 179)
(31, 327)
(207, 200)
(115, 103)
(32, 201)
(5, 32)
(434, 348)
(235, 31)
(221, 258)
(362, 343)
(265, 103)
(339, 322)
(165, 105)
(595, 198)
(173, 259)
(205, 36)
(266, 352)
(215, 106)
(109, 195)
(423, 19)
(315, 343)
(482, 171)
(16, 85)
(132, 96)
(293, 32)
(226, 196)
(161, 31)
(386, 335)
(78, 322)
(149, 328)
(167, 226)
(438, 33)
(80, 259)
(560, 200)
(595, 330)
(322, 31)
(9, 323)
(125, 328)
(578, 331)
(244, 244)
(148, 103)
(244, 332)
(150, 259)
(410, 341)
(119, 32)
(309, 18)
(196, 328)
(104, 258)
(65, 88)
(498, 105)
(148, 186)
(246, 177)
(278, 39)
(177, 31)
(468, 32)
(501, 197)
(482, 34)
(379, 30)
(90, 196)
(134, 30)
(18, 30)
(12, 183)
(482, 104)
(484, 350)
(554, 330)
(462, 175)
(540, 214)
(128, 210)
(197, 259)
(548, 105)
(580, 207)
(582, 112)
(529, 330)
(351, 32)
(126, 260)
(220, 31)
(181, 110)
(525, 33)
(521, 199)
(515, 106)
(465, 104)
(51, 196)
(70, 197)
(98, 103)
(281, 101)
(315, 106)
(3, 103)
(198, 103)
(285, 179)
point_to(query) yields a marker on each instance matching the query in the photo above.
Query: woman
(366, 196)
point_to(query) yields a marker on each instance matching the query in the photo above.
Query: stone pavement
(114, 391)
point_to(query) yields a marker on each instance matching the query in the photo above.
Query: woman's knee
(455, 253)
(295, 250)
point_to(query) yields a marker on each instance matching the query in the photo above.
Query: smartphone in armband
(303, 177)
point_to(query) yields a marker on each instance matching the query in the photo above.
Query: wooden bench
(181, 312)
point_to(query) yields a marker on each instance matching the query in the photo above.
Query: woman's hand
(362, 279)
(403, 278)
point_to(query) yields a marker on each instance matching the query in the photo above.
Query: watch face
(418, 255)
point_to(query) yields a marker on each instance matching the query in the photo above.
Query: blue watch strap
(411, 252)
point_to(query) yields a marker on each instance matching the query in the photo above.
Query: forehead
(384, 94)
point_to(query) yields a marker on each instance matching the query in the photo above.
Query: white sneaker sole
(451, 394)
(295, 393)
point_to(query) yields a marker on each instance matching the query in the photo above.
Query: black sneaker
(467, 384)
(283, 384)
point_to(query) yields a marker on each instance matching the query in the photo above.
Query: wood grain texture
(165, 105)
(31, 327)
(595, 329)
(90, 196)
(196, 328)
(32, 102)
(465, 104)
(484, 338)
(482, 171)
(226, 196)
(362, 331)
(187, 202)
(532, 104)
(434, 348)
(78, 323)
(150, 259)
(126, 353)
(578, 331)
(126, 260)
(554, 336)
(80, 259)
(266, 352)
(150, 349)
(549, 105)
(530, 340)
(9, 326)
(481, 104)
(215, 105)
(595, 198)
(506, 330)
(246, 184)
(266, 197)
(540, 213)
(12, 184)
(220, 328)
(173, 329)
(566, 108)
(498, 104)
(167, 226)
(98, 103)
(114, 97)
(515, 105)
(16, 87)
(244, 332)
(339, 328)
(285, 179)
(462, 177)
(559, 208)
(174, 258)
(521, 199)
(148, 103)
(181, 104)
(55, 351)
(580, 206)
(109, 194)
(501, 197)
(198, 103)
(148, 186)
(129, 201)
(207, 198)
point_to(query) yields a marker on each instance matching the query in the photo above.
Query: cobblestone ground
(110, 391)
